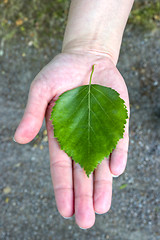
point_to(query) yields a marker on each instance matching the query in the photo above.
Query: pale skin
(93, 36)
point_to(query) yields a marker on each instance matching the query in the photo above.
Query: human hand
(75, 193)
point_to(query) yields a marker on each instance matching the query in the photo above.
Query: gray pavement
(27, 206)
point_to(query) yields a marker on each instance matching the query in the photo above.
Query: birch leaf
(88, 122)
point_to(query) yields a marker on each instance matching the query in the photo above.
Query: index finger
(61, 172)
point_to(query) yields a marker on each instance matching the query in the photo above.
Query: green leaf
(88, 122)
(123, 186)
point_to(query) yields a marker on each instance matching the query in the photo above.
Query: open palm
(74, 191)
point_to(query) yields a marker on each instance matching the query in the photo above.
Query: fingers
(119, 155)
(102, 188)
(83, 190)
(32, 120)
(61, 173)
(81, 200)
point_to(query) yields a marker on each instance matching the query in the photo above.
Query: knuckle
(60, 164)
(62, 187)
(102, 182)
(83, 195)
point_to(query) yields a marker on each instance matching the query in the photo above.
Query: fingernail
(115, 176)
(14, 139)
(98, 213)
(66, 217)
(82, 228)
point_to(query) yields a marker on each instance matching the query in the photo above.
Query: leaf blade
(89, 132)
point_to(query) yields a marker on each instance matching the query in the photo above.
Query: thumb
(39, 96)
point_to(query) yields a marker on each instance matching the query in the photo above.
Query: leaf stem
(91, 74)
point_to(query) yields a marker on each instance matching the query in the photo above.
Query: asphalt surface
(27, 206)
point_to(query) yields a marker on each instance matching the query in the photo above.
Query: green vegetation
(123, 186)
(41, 21)
(38, 21)
(146, 16)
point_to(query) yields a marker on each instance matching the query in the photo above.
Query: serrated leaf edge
(70, 153)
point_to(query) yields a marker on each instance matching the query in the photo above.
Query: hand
(74, 191)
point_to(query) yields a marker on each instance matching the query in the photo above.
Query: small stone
(142, 70)
(30, 43)
(156, 17)
(41, 147)
(19, 22)
(23, 54)
(69, 227)
(17, 165)
(45, 132)
(7, 200)
(1, 52)
(45, 139)
(155, 83)
(133, 68)
(7, 190)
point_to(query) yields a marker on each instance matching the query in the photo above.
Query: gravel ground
(28, 209)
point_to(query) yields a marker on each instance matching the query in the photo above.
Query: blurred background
(31, 34)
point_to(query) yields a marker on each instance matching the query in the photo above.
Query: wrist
(82, 46)
(96, 26)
